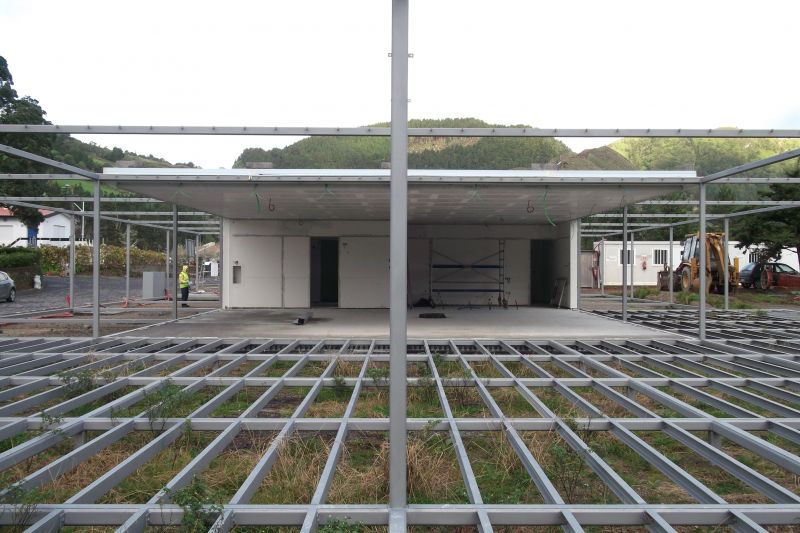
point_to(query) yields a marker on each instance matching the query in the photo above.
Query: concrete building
(53, 231)
(320, 238)
(649, 257)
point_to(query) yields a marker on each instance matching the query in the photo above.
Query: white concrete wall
(561, 260)
(644, 255)
(275, 256)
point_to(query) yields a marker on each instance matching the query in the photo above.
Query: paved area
(528, 323)
(56, 289)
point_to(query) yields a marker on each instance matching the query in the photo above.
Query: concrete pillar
(624, 264)
(703, 259)
(127, 262)
(175, 266)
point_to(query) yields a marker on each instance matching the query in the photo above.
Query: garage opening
(542, 271)
(324, 272)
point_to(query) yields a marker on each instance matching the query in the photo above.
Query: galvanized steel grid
(732, 325)
(764, 374)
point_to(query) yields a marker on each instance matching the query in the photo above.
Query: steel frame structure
(733, 392)
(398, 513)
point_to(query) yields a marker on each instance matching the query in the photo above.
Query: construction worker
(183, 282)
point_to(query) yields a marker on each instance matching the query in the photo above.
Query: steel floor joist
(731, 325)
(708, 397)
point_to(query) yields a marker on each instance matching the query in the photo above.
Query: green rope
(546, 214)
(257, 197)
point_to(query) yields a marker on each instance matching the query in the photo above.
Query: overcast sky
(565, 63)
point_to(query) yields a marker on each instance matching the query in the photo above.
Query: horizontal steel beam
(379, 131)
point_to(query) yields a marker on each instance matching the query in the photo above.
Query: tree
(774, 231)
(25, 110)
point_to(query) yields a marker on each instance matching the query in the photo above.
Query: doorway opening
(325, 272)
(542, 271)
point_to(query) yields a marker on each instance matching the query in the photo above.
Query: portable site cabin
(306, 238)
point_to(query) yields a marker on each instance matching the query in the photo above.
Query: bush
(19, 257)
(112, 259)
(644, 292)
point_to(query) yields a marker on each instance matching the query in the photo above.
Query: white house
(649, 257)
(53, 231)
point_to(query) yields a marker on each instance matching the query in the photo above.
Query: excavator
(686, 276)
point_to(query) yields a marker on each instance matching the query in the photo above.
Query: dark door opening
(324, 272)
(542, 271)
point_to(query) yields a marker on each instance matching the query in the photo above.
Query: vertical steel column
(703, 259)
(578, 258)
(220, 270)
(127, 262)
(72, 263)
(671, 274)
(624, 264)
(196, 262)
(175, 266)
(633, 261)
(601, 274)
(96, 262)
(398, 248)
(726, 280)
(166, 266)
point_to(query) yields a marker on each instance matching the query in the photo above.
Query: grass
(70, 482)
(226, 473)
(512, 403)
(556, 402)
(192, 400)
(431, 451)
(607, 406)
(347, 369)
(373, 402)
(297, 469)
(173, 367)
(499, 473)
(25, 395)
(570, 474)
(91, 406)
(555, 370)
(362, 473)
(465, 402)
(35, 462)
(485, 369)
(236, 404)
(645, 479)
(284, 403)
(729, 487)
(245, 367)
(331, 402)
(148, 479)
(313, 369)
(519, 369)
(697, 404)
(279, 368)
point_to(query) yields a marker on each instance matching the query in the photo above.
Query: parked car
(8, 291)
(766, 275)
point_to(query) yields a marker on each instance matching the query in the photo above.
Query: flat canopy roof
(435, 196)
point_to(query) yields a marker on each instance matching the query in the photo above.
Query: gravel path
(56, 289)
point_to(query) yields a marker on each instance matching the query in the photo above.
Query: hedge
(11, 257)
(112, 259)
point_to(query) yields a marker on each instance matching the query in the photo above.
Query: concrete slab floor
(523, 323)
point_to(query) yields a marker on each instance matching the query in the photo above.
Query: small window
(660, 257)
(753, 257)
(3, 276)
(786, 269)
(627, 256)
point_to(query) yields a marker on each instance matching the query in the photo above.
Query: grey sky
(322, 63)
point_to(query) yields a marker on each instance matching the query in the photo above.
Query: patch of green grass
(226, 473)
(512, 403)
(433, 473)
(423, 402)
(284, 403)
(362, 473)
(236, 405)
(466, 402)
(279, 368)
(313, 369)
(91, 406)
(498, 471)
(153, 475)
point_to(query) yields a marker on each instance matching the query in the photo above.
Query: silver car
(7, 290)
